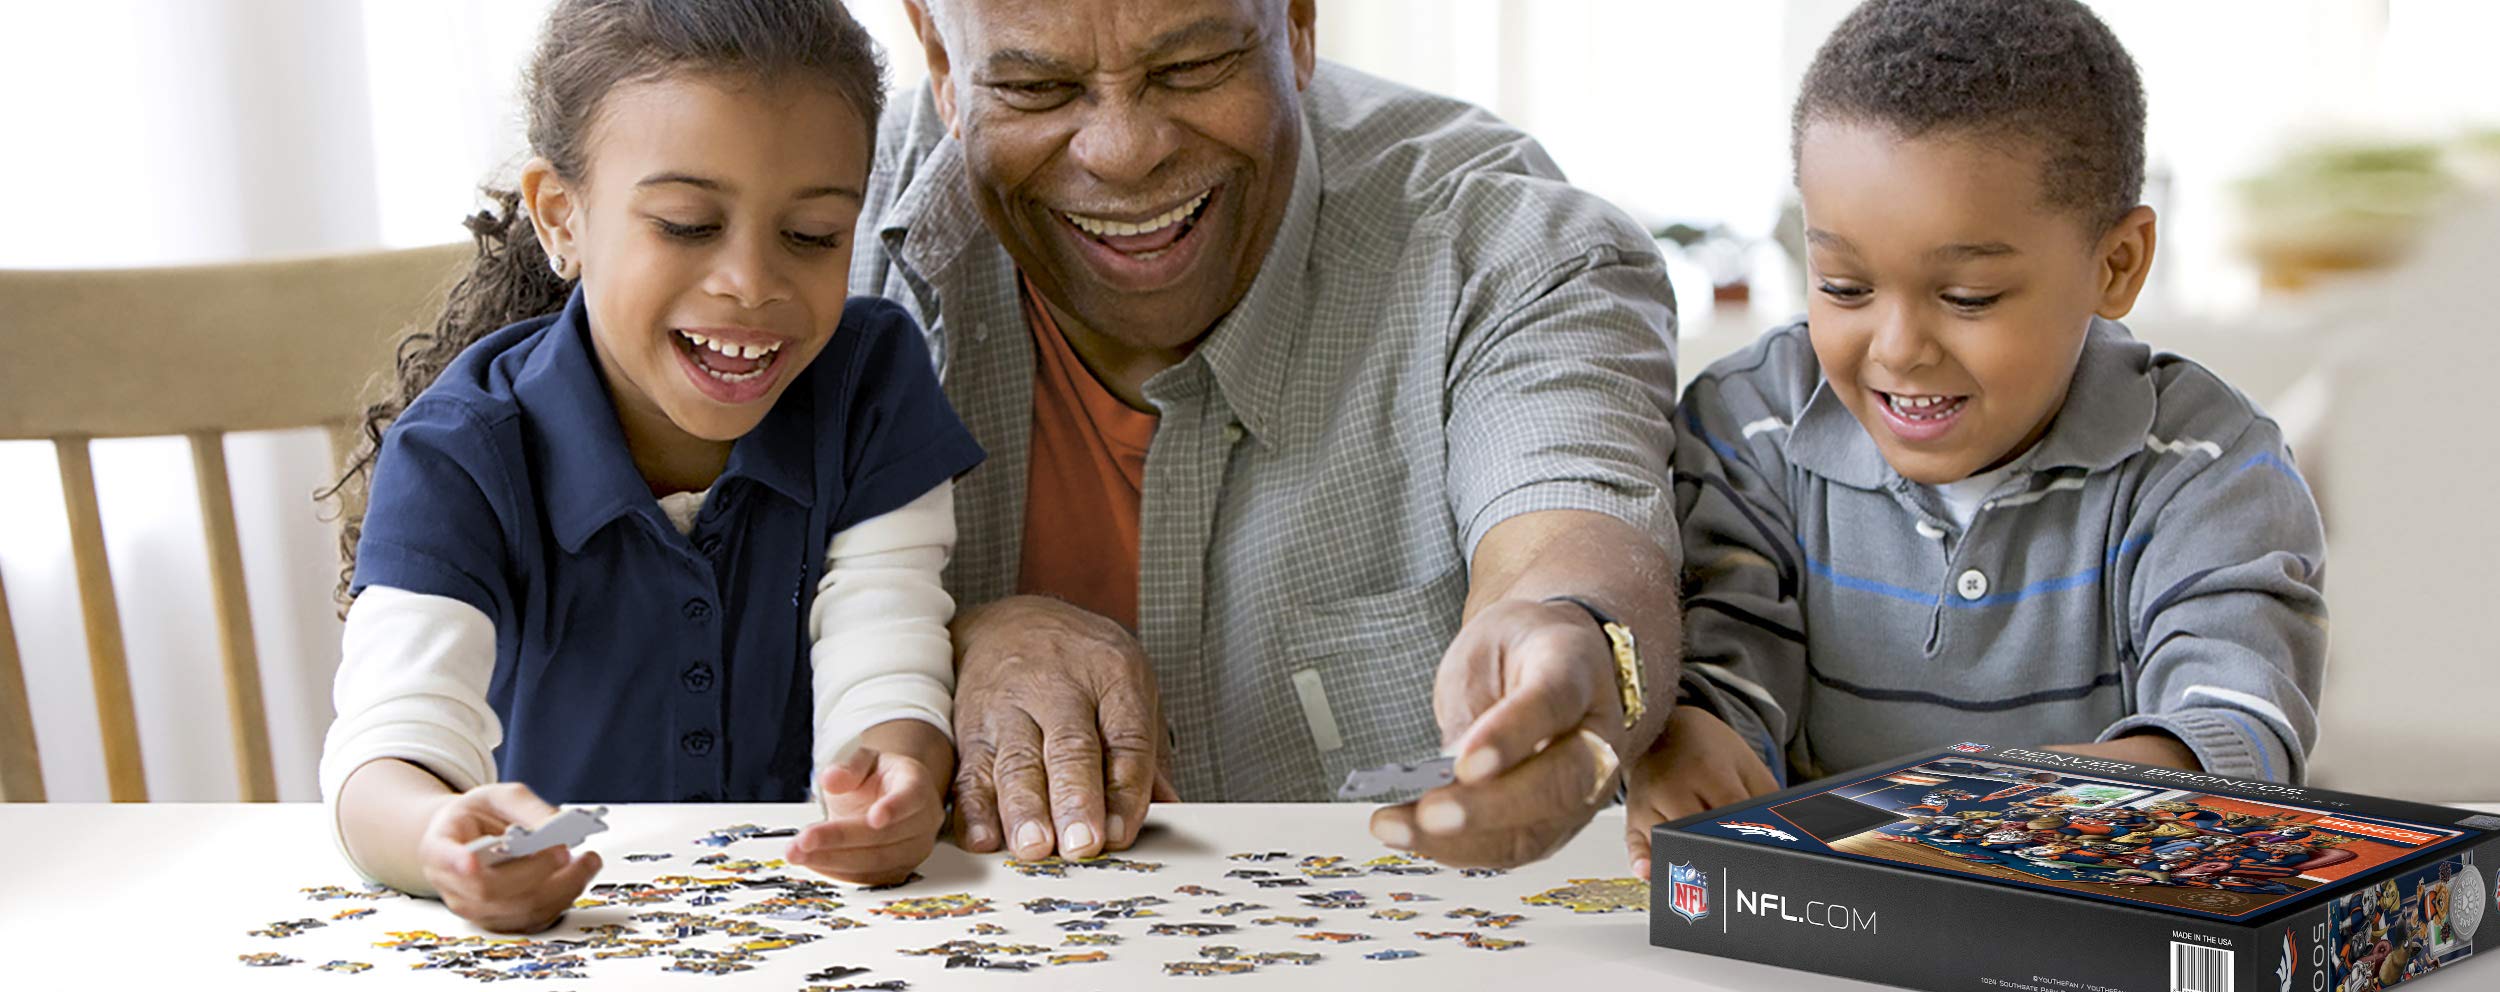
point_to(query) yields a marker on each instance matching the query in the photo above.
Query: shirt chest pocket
(1360, 672)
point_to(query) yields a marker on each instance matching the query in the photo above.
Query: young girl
(674, 533)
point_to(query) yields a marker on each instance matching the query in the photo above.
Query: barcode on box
(2197, 968)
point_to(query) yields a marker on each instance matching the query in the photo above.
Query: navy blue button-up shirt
(633, 663)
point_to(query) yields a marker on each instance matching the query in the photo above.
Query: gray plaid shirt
(1444, 335)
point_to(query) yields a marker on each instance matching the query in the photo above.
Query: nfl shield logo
(1967, 747)
(1688, 891)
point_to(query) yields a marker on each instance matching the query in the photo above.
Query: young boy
(1960, 502)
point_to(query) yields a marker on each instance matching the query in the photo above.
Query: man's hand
(1526, 698)
(884, 801)
(524, 895)
(1059, 729)
(1699, 763)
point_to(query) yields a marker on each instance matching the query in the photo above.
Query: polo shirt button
(697, 609)
(698, 677)
(1972, 585)
(697, 743)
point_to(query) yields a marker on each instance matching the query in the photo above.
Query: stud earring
(555, 263)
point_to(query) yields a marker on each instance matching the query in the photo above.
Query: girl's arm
(884, 693)
(413, 725)
(409, 772)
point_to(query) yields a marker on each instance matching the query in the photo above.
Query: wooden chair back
(196, 352)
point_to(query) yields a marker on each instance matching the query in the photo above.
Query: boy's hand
(883, 810)
(524, 895)
(1700, 763)
(2148, 747)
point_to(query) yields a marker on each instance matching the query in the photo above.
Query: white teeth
(1922, 407)
(1101, 228)
(727, 349)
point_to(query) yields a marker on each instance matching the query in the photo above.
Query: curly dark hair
(2047, 72)
(586, 49)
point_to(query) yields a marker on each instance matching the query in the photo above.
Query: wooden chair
(194, 351)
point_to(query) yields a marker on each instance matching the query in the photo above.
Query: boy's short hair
(2044, 71)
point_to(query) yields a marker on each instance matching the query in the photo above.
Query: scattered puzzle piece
(1596, 895)
(935, 907)
(1333, 937)
(1394, 954)
(1086, 957)
(347, 967)
(1191, 929)
(1202, 969)
(288, 928)
(267, 959)
(1399, 915)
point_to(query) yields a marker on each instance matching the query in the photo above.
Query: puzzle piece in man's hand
(567, 828)
(1399, 776)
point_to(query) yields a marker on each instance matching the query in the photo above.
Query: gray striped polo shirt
(2156, 562)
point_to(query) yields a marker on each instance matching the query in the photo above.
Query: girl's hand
(524, 895)
(883, 809)
(1700, 763)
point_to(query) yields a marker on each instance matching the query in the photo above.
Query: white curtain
(166, 131)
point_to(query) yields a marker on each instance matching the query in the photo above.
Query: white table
(161, 896)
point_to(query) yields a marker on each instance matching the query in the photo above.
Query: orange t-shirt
(1085, 482)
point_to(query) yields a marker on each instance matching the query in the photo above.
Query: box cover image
(1984, 867)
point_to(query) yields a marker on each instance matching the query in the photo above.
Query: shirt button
(697, 743)
(709, 545)
(697, 609)
(1233, 433)
(698, 677)
(1972, 585)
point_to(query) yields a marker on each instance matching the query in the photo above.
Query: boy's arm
(1744, 631)
(2229, 613)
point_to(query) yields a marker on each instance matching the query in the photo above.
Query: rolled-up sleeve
(1565, 400)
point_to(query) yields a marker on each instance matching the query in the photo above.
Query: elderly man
(1327, 428)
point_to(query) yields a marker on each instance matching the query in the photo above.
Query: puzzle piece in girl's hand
(569, 827)
(1399, 776)
(1596, 895)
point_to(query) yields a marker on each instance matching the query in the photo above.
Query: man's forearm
(1612, 564)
